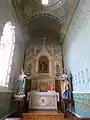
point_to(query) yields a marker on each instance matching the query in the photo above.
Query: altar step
(43, 115)
(13, 119)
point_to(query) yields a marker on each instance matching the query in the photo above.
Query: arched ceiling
(55, 16)
(45, 20)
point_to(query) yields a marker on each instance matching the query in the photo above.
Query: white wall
(76, 47)
(7, 13)
(18, 57)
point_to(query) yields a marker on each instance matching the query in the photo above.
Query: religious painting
(43, 64)
(29, 68)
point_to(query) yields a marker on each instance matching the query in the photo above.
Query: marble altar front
(43, 100)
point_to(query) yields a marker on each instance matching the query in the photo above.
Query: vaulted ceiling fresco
(55, 16)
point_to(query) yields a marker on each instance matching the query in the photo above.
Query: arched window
(7, 43)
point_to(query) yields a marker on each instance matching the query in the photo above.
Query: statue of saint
(20, 83)
(57, 70)
(30, 68)
(65, 85)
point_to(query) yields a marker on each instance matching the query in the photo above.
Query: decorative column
(34, 60)
(53, 63)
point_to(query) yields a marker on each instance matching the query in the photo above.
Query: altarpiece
(42, 63)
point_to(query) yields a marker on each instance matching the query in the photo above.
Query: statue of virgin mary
(20, 84)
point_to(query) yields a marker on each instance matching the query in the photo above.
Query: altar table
(43, 100)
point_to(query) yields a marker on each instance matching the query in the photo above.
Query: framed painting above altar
(43, 64)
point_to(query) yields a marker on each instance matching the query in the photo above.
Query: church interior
(44, 60)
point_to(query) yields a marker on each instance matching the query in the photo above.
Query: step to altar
(13, 119)
(43, 115)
